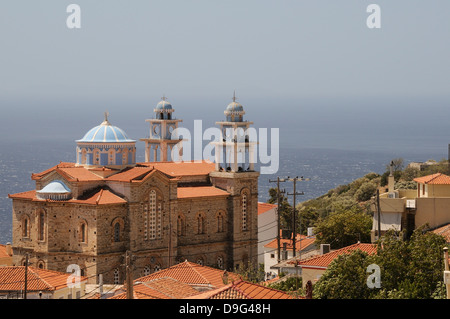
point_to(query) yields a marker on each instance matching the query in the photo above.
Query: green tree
(345, 278)
(345, 226)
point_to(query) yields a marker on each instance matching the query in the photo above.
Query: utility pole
(446, 273)
(129, 275)
(294, 210)
(379, 213)
(278, 181)
(26, 277)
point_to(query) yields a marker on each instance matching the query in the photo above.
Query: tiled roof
(264, 207)
(443, 231)
(160, 288)
(3, 253)
(322, 261)
(192, 274)
(200, 191)
(243, 290)
(101, 197)
(434, 179)
(302, 243)
(192, 168)
(12, 278)
(128, 175)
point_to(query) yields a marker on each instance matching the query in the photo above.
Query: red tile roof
(243, 290)
(101, 197)
(3, 253)
(192, 274)
(434, 179)
(200, 191)
(192, 168)
(443, 231)
(264, 207)
(12, 278)
(302, 243)
(322, 261)
(160, 288)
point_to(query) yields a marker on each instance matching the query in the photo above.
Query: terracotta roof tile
(322, 261)
(192, 274)
(101, 197)
(160, 288)
(200, 191)
(243, 290)
(434, 179)
(264, 207)
(302, 243)
(443, 231)
(128, 175)
(175, 169)
(12, 278)
(3, 253)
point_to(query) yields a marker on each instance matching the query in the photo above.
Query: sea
(325, 169)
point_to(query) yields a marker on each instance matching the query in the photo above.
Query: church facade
(93, 211)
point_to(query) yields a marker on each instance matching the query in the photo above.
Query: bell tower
(234, 150)
(235, 173)
(161, 140)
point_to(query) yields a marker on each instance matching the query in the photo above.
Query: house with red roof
(267, 226)
(313, 268)
(409, 209)
(40, 283)
(6, 255)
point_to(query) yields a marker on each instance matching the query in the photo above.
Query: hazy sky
(311, 68)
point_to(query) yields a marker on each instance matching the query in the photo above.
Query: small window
(117, 232)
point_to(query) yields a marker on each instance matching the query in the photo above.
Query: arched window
(181, 226)
(220, 219)
(82, 232)
(117, 232)
(147, 270)
(157, 268)
(200, 224)
(26, 227)
(220, 262)
(153, 223)
(116, 276)
(244, 211)
(41, 264)
(41, 225)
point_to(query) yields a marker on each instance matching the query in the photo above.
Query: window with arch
(116, 276)
(147, 270)
(117, 232)
(82, 232)
(181, 228)
(201, 224)
(220, 222)
(244, 207)
(200, 261)
(41, 225)
(220, 262)
(153, 216)
(157, 268)
(96, 156)
(25, 227)
(41, 264)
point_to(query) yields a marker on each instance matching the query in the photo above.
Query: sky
(311, 68)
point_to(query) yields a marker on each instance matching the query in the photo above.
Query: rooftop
(434, 179)
(323, 261)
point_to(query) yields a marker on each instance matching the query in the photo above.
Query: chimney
(9, 249)
(324, 248)
(310, 231)
(391, 179)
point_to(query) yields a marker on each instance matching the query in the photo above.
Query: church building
(93, 211)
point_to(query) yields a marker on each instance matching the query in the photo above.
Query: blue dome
(55, 187)
(106, 132)
(164, 105)
(234, 107)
